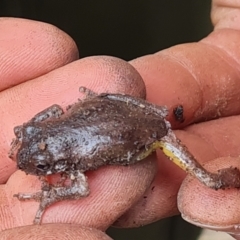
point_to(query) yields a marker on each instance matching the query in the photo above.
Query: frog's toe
(229, 178)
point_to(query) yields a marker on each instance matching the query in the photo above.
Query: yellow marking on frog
(167, 150)
(149, 150)
(172, 155)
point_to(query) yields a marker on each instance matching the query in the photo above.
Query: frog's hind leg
(162, 111)
(179, 154)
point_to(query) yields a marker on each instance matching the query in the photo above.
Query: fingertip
(110, 74)
(206, 207)
(30, 49)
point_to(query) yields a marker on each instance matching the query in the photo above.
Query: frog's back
(118, 132)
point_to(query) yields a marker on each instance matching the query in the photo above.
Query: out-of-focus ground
(213, 235)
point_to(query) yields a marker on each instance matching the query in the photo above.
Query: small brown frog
(104, 129)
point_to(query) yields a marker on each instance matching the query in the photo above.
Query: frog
(99, 130)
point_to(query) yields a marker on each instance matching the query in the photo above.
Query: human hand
(166, 80)
(204, 78)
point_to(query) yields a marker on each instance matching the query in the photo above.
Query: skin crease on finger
(30, 49)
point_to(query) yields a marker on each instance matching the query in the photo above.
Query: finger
(206, 142)
(218, 210)
(203, 76)
(30, 49)
(113, 191)
(53, 231)
(61, 86)
(194, 76)
(225, 14)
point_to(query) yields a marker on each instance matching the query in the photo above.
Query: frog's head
(33, 162)
(39, 156)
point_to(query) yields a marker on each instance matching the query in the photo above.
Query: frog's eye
(43, 167)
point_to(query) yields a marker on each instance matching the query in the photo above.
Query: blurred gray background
(125, 29)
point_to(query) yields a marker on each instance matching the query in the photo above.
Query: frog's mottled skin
(95, 132)
(105, 129)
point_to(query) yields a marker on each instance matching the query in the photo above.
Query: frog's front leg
(87, 92)
(162, 111)
(51, 194)
(55, 111)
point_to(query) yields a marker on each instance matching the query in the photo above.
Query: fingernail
(233, 230)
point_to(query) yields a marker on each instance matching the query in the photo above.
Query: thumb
(208, 208)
